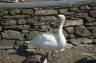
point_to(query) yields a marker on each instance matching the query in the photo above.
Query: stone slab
(6, 43)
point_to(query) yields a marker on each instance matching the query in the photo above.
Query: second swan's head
(61, 17)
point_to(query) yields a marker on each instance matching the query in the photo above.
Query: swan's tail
(27, 41)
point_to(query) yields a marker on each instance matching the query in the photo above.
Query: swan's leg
(62, 50)
(56, 51)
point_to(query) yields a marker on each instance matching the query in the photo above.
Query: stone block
(0, 28)
(3, 12)
(90, 24)
(74, 9)
(77, 41)
(73, 22)
(31, 21)
(7, 43)
(21, 21)
(33, 34)
(93, 30)
(68, 46)
(16, 16)
(71, 36)
(82, 31)
(14, 11)
(94, 40)
(10, 22)
(88, 19)
(18, 27)
(93, 8)
(70, 29)
(10, 51)
(93, 13)
(81, 15)
(45, 12)
(63, 11)
(0, 36)
(85, 7)
(43, 28)
(11, 34)
(25, 31)
(46, 18)
(27, 11)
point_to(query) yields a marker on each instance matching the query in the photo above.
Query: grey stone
(81, 14)
(0, 28)
(93, 30)
(32, 35)
(90, 24)
(93, 8)
(18, 27)
(70, 29)
(73, 22)
(21, 21)
(31, 21)
(68, 46)
(14, 11)
(41, 23)
(25, 31)
(17, 16)
(19, 42)
(85, 7)
(3, 12)
(71, 36)
(63, 10)
(6, 43)
(23, 27)
(77, 41)
(46, 18)
(11, 34)
(88, 19)
(93, 13)
(45, 12)
(82, 31)
(43, 28)
(0, 36)
(11, 51)
(94, 40)
(74, 9)
(27, 11)
(10, 22)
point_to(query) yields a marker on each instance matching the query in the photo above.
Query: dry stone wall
(20, 24)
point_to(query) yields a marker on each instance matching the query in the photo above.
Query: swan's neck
(60, 27)
(62, 40)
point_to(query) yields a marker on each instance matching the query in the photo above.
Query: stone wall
(20, 24)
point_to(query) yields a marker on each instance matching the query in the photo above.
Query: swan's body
(50, 41)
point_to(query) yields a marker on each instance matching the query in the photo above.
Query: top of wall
(42, 4)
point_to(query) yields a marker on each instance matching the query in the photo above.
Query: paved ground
(76, 54)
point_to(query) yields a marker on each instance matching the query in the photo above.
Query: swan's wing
(46, 40)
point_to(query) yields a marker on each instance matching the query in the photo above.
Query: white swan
(50, 41)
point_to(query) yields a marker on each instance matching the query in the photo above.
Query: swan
(50, 41)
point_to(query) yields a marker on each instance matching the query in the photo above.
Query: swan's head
(61, 17)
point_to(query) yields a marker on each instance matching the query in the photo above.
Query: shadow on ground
(30, 57)
(85, 60)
